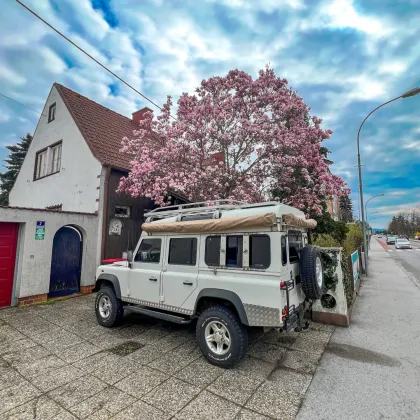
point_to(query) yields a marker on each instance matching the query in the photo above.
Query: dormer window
(51, 113)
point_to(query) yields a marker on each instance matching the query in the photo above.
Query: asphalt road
(408, 258)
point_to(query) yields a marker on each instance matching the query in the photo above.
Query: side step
(160, 315)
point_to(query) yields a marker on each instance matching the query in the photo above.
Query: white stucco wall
(75, 186)
(32, 274)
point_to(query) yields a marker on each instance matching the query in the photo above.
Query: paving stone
(77, 352)
(151, 336)
(280, 338)
(9, 377)
(39, 408)
(2, 322)
(208, 406)
(76, 391)
(26, 356)
(33, 326)
(16, 395)
(147, 354)
(246, 414)
(318, 335)
(270, 400)
(234, 387)
(96, 361)
(47, 381)
(58, 340)
(271, 353)
(46, 364)
(139, 411)
(286, 380)
(171, 396)
(8, 333)
(112, 372)
(18, 345)
(177, 359)
(315, 326)
(141, 381)
(309, 345)
(301, 361)
(254, 368)
(200, 373)
(103, 405)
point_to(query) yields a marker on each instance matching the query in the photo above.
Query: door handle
(152, 279)
(188, 283)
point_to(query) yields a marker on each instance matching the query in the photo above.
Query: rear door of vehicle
(179, 278)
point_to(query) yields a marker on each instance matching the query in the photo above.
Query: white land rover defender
(228, 264)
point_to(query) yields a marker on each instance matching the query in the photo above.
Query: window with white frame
(48, 161)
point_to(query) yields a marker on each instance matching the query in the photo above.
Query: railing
(202, 207)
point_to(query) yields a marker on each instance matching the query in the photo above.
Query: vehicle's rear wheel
(108, 308)
(311, 272)
(222, 338)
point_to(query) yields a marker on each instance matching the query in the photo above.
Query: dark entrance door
(8, 242)
(66, 263)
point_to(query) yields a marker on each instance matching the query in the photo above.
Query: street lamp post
(367, 217)
(408, 94)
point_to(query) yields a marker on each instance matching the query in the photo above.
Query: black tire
(307, 264)
(237, 332)
(116, 310)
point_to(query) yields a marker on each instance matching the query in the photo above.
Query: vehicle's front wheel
(108, 308)
(222, 338)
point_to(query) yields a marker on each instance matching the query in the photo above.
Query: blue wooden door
(66, 262)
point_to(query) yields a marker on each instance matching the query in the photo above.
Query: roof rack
(202, 207)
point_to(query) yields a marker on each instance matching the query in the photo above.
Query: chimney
(139, 115)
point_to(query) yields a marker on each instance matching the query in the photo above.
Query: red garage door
(8, 242)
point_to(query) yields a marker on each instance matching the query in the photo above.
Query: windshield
(402, 241)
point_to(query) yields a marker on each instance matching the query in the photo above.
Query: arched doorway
(66, 262)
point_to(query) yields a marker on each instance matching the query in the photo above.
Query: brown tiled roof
(102, 128)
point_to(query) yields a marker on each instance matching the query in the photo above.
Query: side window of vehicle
(212, 253)
(234, 247)
(259, 251)
(149, 251)
(295, 245)
(182, 251)
(283, 250)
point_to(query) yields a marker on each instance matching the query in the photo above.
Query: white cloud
(11, 76)
(4, 116)
(340, 14)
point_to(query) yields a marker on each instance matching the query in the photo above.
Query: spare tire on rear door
(311, 273)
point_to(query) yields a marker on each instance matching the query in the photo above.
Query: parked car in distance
(402, 243)
(390, 240)
(228, 266)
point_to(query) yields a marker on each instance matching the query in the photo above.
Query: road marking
(390, 250)
(398, 250)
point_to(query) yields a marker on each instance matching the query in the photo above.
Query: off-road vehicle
(229, 265)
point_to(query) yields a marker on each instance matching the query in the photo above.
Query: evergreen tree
(346, 209)
(13, 163)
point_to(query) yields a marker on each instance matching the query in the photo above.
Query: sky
(344, 58)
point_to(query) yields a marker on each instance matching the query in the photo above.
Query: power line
(92, 58)
(13, 100)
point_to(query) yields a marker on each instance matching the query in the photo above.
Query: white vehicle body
(246, 269)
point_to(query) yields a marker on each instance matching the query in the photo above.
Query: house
(73, 166)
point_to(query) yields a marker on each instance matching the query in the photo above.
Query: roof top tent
(216, 216)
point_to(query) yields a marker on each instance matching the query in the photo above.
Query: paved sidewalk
(372, 369)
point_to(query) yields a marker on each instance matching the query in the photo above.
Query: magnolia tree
(235, 138)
